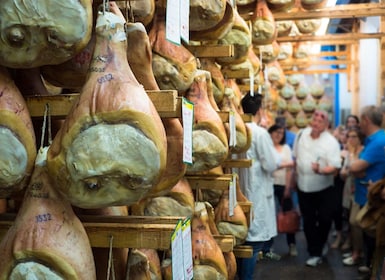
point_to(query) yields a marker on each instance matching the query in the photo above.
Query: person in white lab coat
(256, 183)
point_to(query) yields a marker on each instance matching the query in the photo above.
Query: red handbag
(288, 221)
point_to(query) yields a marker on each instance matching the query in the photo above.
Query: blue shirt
(290, 137)
(374, 154)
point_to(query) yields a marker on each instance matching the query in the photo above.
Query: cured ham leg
(17, 138)
(35, 33)
(236, 224)
(178, 202)
(209, 262)
(210, 147)
(174, 66)
(143, 264)
(111, 149)
(242, 135)
(47, 240)
(263, 24)
(101, 255)
(139, 56)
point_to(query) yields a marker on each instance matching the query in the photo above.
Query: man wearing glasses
(317, 158)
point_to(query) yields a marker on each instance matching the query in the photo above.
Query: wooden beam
(236, 74)
(212, 50)
(326, 53)
(335, 39)
(315, 71)
(338, 11)
(208, 181)
(166, 102)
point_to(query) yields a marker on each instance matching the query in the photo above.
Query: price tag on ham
(185, 20)
(177, 252)
(187, 249)
(187, 116)
(173, 21)
(233, 130)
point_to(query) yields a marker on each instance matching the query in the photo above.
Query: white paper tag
(233, 130)
(187, 250)
(185, 20)
(231, 199)
(173, 21)
(251, 82)
(187, 119)
(177, 252)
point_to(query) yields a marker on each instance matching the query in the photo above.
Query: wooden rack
(166, 102)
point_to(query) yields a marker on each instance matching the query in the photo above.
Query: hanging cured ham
(263, 24)
(231, 264)
(209, 262)
(35, 33)
(142, 11)
(210, 147)
(218, 80)
(72, 73)
(205, 14)
(219, 30)
(143, 264)
(117, 266)
(178, 202)
(242, 134)
(47, 240)
(139, 57)
(239, 36)
(174, 66)
(236, 224)
(17, 138)
(111, 149)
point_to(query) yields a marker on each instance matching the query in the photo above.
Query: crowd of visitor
(327, 175)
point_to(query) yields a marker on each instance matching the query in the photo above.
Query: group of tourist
(329, 173)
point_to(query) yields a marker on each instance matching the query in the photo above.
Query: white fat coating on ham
(13, 158)
(32, 271)
(121, 148)
(34, 33)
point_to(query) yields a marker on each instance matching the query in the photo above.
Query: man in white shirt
(317, 157)
(257, 185)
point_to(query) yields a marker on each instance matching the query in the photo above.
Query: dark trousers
(317, 213)
(246, 266)
(286, 204)
(338, 193)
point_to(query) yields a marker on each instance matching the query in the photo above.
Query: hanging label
(173, 21)
(177, 252)
(231, 198)
(251, 75)
(185, 20)
(187, 120)
(187, 250)
(233, 131)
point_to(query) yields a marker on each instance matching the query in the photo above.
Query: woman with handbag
(282, 177)
(354, 147)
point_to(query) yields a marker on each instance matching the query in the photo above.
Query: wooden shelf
(225, 242)
(166, 102)
(219, 182)
(337, 11)
(236, 74)
(128, 231)
(237, 163)
(243, 251)
(212, 50)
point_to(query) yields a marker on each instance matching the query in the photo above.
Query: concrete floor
(294, 268)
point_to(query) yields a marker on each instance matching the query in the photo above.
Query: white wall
(369, 61)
